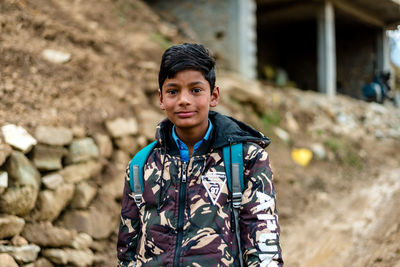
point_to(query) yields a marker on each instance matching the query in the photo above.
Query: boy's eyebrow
(171, 84)
(190, 84)
(195, 83)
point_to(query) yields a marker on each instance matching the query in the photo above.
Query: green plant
(352, 158)
(271, 118)
(344, 152)
(320, 132)
(333, 144)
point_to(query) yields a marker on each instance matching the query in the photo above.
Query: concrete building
(324, 45)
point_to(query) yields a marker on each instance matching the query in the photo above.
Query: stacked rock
(59, 192)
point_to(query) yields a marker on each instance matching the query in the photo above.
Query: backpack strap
(136, 171)
(235, 183)
(234, 176)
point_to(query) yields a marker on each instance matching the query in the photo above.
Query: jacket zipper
(181, 214)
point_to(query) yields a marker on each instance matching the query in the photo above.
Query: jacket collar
(226, 131)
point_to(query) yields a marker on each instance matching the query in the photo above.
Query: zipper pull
(184, 172)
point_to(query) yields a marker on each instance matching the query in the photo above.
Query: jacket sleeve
(129, 228)
(258, 218)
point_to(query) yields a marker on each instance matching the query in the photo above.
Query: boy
(185, 216)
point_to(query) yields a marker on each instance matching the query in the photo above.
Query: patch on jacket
(214, 183)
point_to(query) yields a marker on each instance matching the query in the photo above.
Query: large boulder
(114, 187)
(120, 159)
(113, 184)
(127, 143)
(10, 226)
(81, 171)
(148, 122)
(45, 234)
(55, 136)
(52, 203)
(84, 193)
(22, 171)
(104, 144)
(52, 181)
(82, 150)
(22, 254)
(82, 241)
(18, 200)
(18, 137)
(5, 151)
(19, 241)
(120, 127)
(48, 158)
(66, 256)
(7, 261)
(99, 221)
(79, 131)
(43, 262)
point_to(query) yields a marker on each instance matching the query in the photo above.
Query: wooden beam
(358, 13)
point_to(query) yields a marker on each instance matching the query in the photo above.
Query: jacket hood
(230, 131)
(226, 131)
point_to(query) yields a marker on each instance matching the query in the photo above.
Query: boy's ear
(160, 98)
(214, 97)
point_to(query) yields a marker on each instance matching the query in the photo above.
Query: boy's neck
(191, 136)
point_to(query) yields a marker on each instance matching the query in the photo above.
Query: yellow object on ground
(302, 156)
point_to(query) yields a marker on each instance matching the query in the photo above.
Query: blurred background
(78, 98)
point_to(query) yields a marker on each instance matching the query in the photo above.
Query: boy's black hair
(187, 57)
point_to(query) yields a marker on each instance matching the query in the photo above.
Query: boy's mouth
(185, 114)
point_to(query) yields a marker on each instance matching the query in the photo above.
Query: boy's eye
(171, 92)
(196, 90)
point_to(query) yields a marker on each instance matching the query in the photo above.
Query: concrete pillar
(247, 38)
(326, 50)
(383, 52)
(242, 35)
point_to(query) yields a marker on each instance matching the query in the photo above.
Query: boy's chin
(185, 124)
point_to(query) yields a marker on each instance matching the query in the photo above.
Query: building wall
(356, 53)
(209, 19)
(227, 27)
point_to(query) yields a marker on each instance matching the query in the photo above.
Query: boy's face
(186, 99)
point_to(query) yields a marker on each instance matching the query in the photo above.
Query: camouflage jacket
(185, 216)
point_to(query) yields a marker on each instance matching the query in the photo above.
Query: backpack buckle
(138, 199)
(237, 199)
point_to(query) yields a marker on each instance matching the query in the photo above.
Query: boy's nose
(184, 98)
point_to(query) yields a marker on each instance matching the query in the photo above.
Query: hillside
(81, 66)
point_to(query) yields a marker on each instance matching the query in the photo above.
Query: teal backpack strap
(136, 171)
(235, 183)
(234, 176)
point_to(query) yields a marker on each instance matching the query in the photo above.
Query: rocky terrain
(78, 90)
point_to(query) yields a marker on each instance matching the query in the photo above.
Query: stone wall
(59, 191)
(356, 57)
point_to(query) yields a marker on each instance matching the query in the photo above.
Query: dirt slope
(337, 211)
(114, 46)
